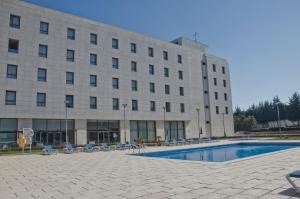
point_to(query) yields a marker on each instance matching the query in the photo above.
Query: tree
(244, 123)
(294, 108)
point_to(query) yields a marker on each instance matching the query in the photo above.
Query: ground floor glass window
(174, 130)
(145, 130)
(103, 131)
(8, 130)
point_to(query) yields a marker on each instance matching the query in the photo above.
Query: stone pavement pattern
(117, 175)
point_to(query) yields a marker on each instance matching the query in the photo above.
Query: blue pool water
(223, 153)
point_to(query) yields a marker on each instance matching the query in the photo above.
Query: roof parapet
(186, 42)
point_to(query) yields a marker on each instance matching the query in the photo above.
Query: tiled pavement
(117, 175)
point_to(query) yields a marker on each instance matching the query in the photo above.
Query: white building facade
(112, 85)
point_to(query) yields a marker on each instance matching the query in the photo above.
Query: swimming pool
(222, 153)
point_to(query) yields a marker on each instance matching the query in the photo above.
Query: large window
(152, 106)
(71, 33)
(143, 130)
(42, 75)
(166, 72)
(115, 43)
(53, 131)
(93, 59)
(103, 131)
(12, 71)
(70, 55)
(152, 87)
(133, 47)
(167, 89)
(151, 69)
(10, 98)
(182, 108)
(174, 130)
(133, 66)
(115, 62)
(168, 107)
(93, 102)
(115, 104)
(115, 83)
(134, 85)
(180, 75)
(93, 38)
(179, 59)
(15, 21)
(165, 55)
(8, 129)
(150, 52)
(41, 99)
(69, 101)
(43, 51)
(181, 91)
(70, 78)
(44, 28)
(93, 80)
(134, 105)
(13, 46)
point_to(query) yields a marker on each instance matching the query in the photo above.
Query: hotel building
(109, 83)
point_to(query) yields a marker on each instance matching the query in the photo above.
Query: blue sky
(259, 38)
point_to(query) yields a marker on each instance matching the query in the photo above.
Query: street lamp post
(278, 117)
(224, 125)
(198, 110)
(66, 117)
(124, 107)
(164, 108)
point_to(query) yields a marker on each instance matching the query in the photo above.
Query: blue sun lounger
(295, 174)
(48, 150)
(68, 149)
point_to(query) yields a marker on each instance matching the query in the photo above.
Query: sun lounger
(120, 146)
(104, 147)
(295, 174)
(68, 149)
(88, 148)
(48, 150)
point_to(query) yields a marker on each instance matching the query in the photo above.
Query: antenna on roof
(195, 36)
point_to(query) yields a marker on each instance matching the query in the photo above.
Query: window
(207, 107)
(180, 74)
(93, 102)
(43, 50)
(215, 81)
(203, 63)
(42, 75)
(151, 69)
(13, 46)
(70, 55)
(217, 109)
(71, 33)
(181, 91)
(165, 55)
(93, 80)
(115, 103)
(167, 89)
(214, 67)
(226, 110)
(115, 43)
(10, 98)
(134, 86)
(15, 21)
(182, 109)
(225, 96)
(115, 62)
(134, 105)
(69, 78)
(216, 95)
(115, 83)
(223, 69)
(69, 101)
(93, 59)
(133, 66)
(206, 92)
(179, 59)
(152, 87)
(41, 99)
(133, 47)
(93, 39)
(224, 83)
(44, 27)
(152, 106)
(150, 52)
(166, 72)
(11, 71)
(204, 77)
(207, 122)
(168, 107)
